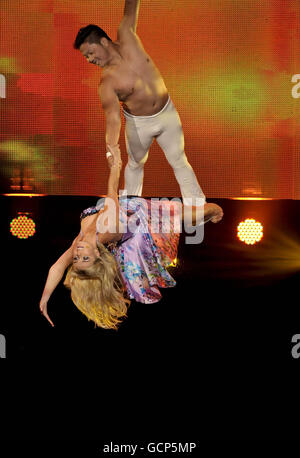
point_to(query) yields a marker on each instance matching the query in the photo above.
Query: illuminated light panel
(22, 227)
(23, 194)
(237, 95)
(250, 231)
(252, 198)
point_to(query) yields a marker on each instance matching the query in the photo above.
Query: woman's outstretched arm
(55, 275)
(109, 218)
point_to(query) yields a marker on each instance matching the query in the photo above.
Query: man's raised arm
(131, 13)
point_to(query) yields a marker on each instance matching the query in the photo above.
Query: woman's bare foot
(213, 213)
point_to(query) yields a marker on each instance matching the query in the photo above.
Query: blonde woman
(111, 262)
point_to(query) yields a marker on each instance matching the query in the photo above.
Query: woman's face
(84, 255)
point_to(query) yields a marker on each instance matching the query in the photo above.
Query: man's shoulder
(130, 43)
(125, 33)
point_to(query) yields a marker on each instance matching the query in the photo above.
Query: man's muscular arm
(111, 106)
(131, 13)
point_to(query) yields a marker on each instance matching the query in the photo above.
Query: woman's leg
(192, 215)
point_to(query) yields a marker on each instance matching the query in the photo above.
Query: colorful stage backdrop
(231, 68)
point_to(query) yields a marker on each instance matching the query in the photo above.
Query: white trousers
(166, 127)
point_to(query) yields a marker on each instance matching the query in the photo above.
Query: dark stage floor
(226, 328)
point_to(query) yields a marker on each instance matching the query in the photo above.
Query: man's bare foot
(213, 213)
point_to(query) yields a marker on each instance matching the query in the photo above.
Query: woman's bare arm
(66, 258)
(57, 270)
(55, 274)
(109, 218)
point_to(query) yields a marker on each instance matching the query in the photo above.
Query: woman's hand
(115, 159)
(43, 309)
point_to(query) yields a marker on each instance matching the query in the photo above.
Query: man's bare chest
(129, 82)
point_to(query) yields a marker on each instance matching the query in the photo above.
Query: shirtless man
(130, 76)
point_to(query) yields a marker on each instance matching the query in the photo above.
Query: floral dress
(148, 245)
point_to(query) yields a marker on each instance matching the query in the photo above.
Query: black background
(212, 360)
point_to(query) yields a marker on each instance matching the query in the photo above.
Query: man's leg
(171, 140)
(138, 142)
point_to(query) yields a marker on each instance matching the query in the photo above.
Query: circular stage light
(22, 227)
(250, 231)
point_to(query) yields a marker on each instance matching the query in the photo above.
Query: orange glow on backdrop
(228, 66)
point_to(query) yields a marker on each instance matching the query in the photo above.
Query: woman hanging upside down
(122, 252)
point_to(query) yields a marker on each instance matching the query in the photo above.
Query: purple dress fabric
(148, 246)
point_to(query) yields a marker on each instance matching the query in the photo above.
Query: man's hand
(114, 160)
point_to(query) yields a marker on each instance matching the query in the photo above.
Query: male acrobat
(130, 76)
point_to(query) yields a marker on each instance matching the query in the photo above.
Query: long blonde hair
(98, 291)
